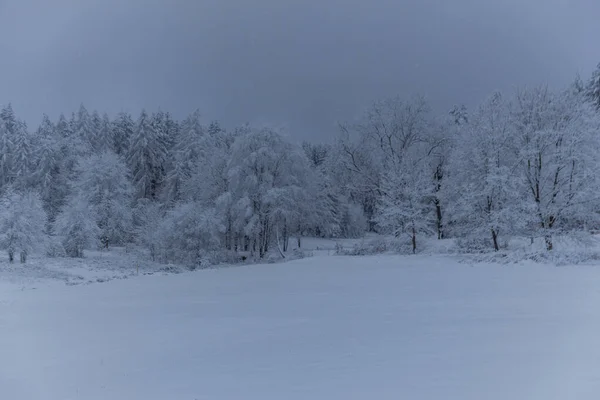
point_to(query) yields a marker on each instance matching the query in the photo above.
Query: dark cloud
(303, 63)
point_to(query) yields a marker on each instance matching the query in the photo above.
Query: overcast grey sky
(303, 63)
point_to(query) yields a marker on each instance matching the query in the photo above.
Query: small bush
(374, 246)
(55, 249)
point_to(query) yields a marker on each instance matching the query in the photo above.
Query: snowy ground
(96, 267)
(385, 327)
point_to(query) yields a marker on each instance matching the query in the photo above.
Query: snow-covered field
(384, 327)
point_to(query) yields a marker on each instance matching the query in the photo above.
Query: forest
(519, 165)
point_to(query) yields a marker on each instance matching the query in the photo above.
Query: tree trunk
(278, 244)
(414, 240)
(229, 238)
(285, 237)
(264, 237)
(11, 256)
(299, 239)
(23, 257)
(548, 240)
(438, 206)
(439, 224)
(495, 239)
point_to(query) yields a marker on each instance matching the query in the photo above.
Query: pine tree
(123, 128)
(50, 176)
(6, 152)
(84, 130)
(147, 154)
(95, 140)
(592, 91)
(22, 160)
(104, 139)
(63, 127)
(7, 115)
(184, 157)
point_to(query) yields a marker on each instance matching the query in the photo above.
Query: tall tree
(122, 132)
(76, 224)
(491, 201)
(146, 156)
(267, 175)
(22, 221)
(403, 208)
(592, 90)
(556, 142)
(84, 129)
(104, 183)
(22, 162)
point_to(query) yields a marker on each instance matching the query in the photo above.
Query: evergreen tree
(592, 91)
(22, 161)
(95, 140)
(7, 115)
(84, 130)
(6, 153)
(104, 139)
(123, 128)
(63, 127)
(50, 175)
(184, 157)
(146, 156)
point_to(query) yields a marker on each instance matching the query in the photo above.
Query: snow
(383, 327)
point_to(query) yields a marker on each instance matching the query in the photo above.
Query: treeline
(524, 165)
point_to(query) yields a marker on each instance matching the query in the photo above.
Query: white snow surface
(327, 327)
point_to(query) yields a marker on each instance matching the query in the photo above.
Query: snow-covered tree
(491, 198)
(265, 171)
(556, 142)
(185, 155)
(104, 135)
(77, 226)
(50, 176)
(189, 232)
(63, 128)
(146, 156)
(210, 181)
(122, 130)
(22, 159)
(84, 129)
(592, 90)
(103, 181)
(148, 217)
(6, 153)
(386, 133)
(22, 221)
(8, 117)
(403, 209)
